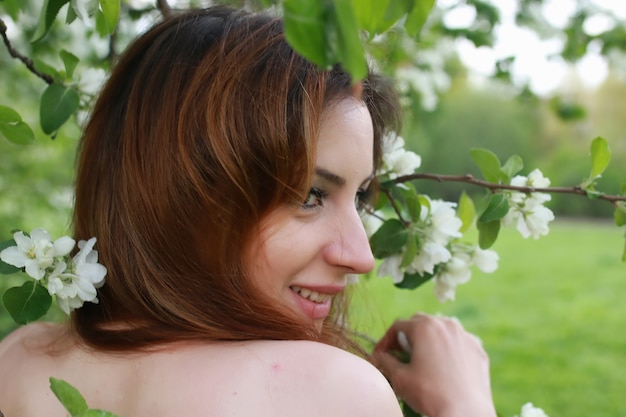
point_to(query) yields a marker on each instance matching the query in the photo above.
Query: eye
(315, 199)
(362, 200)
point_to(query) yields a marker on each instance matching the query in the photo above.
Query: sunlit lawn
(552, 318)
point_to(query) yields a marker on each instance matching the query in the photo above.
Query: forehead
(346, 138)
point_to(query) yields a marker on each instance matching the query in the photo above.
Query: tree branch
(27, 61)
(469, 179)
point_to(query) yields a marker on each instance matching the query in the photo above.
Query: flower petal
(63, 246)
(13, 256)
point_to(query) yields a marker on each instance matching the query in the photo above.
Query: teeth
(314, 296)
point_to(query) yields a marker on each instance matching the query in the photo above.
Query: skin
(448, 374)
(311, 245)
(259, 378)
(304, 252)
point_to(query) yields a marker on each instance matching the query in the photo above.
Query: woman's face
(304, 252)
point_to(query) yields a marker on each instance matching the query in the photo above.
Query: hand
(448, 371)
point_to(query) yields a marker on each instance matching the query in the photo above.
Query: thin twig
(112, 56)
(27, 61)
(469, 179)
(392, 200)
(165, 8)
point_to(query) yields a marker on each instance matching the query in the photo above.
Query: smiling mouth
(310, 295)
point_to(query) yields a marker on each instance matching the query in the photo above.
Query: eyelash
(361, 200)
(318, 195)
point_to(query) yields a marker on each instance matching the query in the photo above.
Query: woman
(222, 175)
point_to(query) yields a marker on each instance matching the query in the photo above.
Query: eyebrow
(336, 179)
(330, 177)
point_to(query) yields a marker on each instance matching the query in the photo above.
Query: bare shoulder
(260, 378)
(334, 382)
(26, 343)
(308, 379)
(21, 362)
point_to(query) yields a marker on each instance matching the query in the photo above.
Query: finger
(389, 365)
(390, 340)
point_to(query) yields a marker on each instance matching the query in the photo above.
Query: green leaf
(381, 201)
(111, 11)
(69, 396)
(418, 16)
(623, 189)
(412, 281)
(27, 303)
(407, 411)
(370, 15)
(101, 25)
(466, 211)
(98, 413)
(6, 269)
(389, 239)
(487, 233)
(592, 194)
(49, 12)
(398, 8)
(8, 115)
(600, 157)
(413, 206)
(58, 103)
(489, 165)
(512, 166)
(412, 201)
(305, 29)
(496, 209)
(343, 34)
(71, 14)
(70, 61)
(410, 251)
(14, 128)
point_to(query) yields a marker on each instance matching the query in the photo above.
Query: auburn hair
(208, 121)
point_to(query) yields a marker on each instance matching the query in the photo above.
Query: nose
(349, 247)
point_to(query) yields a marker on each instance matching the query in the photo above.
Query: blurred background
(535, 78)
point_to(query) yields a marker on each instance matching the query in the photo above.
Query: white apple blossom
(527, 211)
(37, 252)
(438, 226)
(535, 179)
(390, 267)
(454, 272)
(485, 260)
(439, 253)
(443, 223)
(78, 282)
(72, 280)
(371, 222)
(397, 161)
(528, 410)
(429, 256)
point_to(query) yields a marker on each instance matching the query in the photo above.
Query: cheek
(270, 256)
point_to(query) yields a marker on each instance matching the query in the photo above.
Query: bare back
(260, 378)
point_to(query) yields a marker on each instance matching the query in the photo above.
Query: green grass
(552, 318)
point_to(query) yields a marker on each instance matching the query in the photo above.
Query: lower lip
(311, 309)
